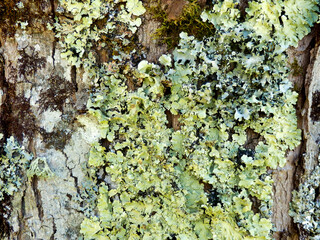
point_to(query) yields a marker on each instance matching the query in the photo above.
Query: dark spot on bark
(57, 138)
(17, 116)
(173, 120)
(5, 209)
(105, 143)
(253, 139)
(212, 194)
(29, 65)
(242, 152)
(315, 108)
(317, 193)
(256, 204)
(56, 95)
(74, 78)
(243, 5)
(61, 133)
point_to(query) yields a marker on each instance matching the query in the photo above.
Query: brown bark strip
(301, 61)
(37, 196)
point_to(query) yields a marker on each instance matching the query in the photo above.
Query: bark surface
(42, 97)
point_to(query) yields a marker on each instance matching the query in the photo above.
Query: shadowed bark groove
(37, 195)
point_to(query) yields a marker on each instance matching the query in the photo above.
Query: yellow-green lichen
(204, 178)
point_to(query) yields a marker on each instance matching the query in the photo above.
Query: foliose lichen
(14, 162)
(39, 167)
(305, 205)
(199, 180)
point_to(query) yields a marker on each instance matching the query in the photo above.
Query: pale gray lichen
(12, 167)
(305, 205)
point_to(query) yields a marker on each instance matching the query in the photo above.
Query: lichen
(198, 178)
(14, 161)
(305, 204)
(13, 165)
(39, 167)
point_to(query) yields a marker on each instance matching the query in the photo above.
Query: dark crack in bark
(54, 43)
(22, 216)
(74, 77)
(76, 181)
(37, 195)
(3, 89)
(54, 228)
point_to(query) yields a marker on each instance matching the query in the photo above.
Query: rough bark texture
(305, 64)
(41, 99)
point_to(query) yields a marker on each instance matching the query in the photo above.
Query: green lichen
(13, 164)
(202, 179)
(39, 167)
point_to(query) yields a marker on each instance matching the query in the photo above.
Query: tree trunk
(43, 105)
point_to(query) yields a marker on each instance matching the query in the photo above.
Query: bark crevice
(54, 228)
(22, 216)
(37, 195)
(54, 42)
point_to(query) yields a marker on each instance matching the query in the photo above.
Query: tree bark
(43, 101)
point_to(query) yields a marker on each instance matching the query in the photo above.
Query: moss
(295, 68)
(18, 117)
(30, 64)
(188, 21)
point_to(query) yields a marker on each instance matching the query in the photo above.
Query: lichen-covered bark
(304, 64)
(42, 100)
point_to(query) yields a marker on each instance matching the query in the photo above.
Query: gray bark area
(43, 101)
(44, 105)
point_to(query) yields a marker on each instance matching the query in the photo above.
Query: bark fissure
(74, 77)
(54, 228)
(37, 195)
(3, 89)
(76, 181)
(22, 216)
(54, 42)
